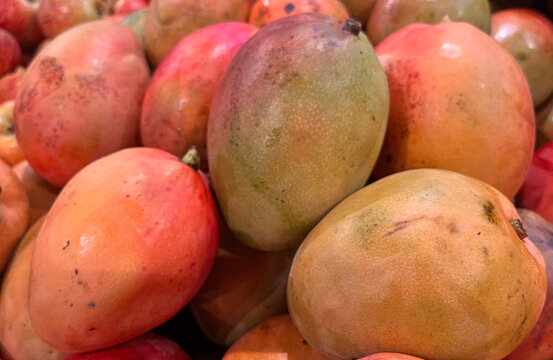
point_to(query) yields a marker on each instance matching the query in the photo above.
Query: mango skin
(539, 344)
(244, 288)
(274, 339)
(390, 356)
(388, 16)
(18, 339)
(423, 262)
(360, 9)
(80, 99)
(264, 12)
(168, 21)
(127, 244)
(295, 127)
(176, 105)
(442, 118)
(528, 36)
(40, 193)
(14, 212)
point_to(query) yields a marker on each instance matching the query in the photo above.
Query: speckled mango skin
(423, 262)
(388, 16)
(80, 99)
(127, 244)
(480, 125)
(295, 127)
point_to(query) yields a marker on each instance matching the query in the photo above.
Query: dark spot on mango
(452, 228)
(66, 245)
(488, 212)
(51, 72)
(400, 225)
(92, 329)
(91, 304)
(289, 8)
(76, 271)
(304, 342)
(485, 251)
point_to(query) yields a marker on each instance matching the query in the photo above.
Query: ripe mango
(295, 127)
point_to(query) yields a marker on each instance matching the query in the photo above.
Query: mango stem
(192, 158)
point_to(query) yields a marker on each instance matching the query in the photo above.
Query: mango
(427, 262)
(295, 127)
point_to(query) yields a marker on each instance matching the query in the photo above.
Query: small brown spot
(485, 251)
(452, 228)
(92, 329)
(91, 304)
(304, 342)
(488, 212)
(76, 271)
(66, 245)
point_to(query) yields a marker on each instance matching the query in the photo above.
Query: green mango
(295, 127)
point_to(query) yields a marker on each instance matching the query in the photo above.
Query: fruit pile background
(306, 111)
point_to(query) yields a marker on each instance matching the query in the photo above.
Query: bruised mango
(295, 127)
(425, 262)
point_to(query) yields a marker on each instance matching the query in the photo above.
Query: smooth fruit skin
(390, 356)
(127, 244)
(244, 288)
(176, 104)
(264, 12)
(10, 150)
(18, 340)
(480, 125)
(168, 21)
(14, 212)
(9, 84)
(145, 347)
(274, 339)
(536, 192)
(528, 36)
(19, 17)
(423, 262)
(81, 99)
(11, 52)
(40, 193)
(56, 16)
(294, 128)
(537, 345)
(388, 16)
